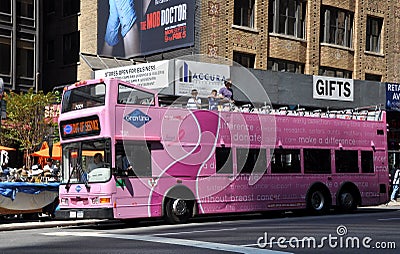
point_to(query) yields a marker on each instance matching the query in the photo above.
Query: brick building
(352, 39)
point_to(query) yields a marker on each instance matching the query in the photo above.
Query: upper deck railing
(372, 113)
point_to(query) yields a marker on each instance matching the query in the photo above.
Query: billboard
(137, 28)
(393, 96)
(332, 88)
(201, 76)
(150, 75)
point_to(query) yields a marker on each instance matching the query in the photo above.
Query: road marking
(174, 241)
(387, 219)
(197, 231)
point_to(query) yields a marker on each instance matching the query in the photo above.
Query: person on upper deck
(194, 102)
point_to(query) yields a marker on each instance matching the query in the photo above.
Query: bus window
(346, 161)
(251, 160)
(223, 158)
(133, 159)
(132, 96)
(84, 97)
(367, 162)
(317, 161)
(285, 161)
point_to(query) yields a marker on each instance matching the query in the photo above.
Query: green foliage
(26, 123)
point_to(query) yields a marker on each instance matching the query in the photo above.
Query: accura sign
(332, 88)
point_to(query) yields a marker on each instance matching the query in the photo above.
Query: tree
(26, 122)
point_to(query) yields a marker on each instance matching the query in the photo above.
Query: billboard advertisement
(332, 88)
(201, 76)
(393, 96)
(150, 75)
(129, 28)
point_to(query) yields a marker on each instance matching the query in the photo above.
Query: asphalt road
(360, 232)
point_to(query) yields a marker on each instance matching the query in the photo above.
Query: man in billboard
(122, 22)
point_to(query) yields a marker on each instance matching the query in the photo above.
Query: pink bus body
(190, 162)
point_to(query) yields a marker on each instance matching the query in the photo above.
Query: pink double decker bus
(126, 156)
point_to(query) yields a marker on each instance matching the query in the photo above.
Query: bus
(125, 155)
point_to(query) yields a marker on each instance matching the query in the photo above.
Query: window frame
(250, 59)
(329, 14)
(347, 164)
(239, 5)
(370, 36)
(227, 166)
(297, 169)
(311, 170)
(275, 15)
(273, 64)
(249, 164)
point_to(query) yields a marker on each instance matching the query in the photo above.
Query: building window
(374, 28)
(331, 72)
(5, 6)
(337, 26)
(71, 7)
(244, 13)
(5, 53)
(71, 48)
(25, 8)
(244, 59)
(285, 66)
(50, 51)
(373, 77)
(25, 62)
(51, 7)
(287, 17)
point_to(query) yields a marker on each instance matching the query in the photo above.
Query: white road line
(388, 219)
(165, 240)
(197, 231)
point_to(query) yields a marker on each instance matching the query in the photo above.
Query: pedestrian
(213, 100)
(395, 184)
(194, 102)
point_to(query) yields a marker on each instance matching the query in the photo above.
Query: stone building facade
(352, 39)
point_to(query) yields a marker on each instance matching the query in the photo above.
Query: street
(366, 230)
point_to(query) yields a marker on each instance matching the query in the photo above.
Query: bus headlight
(64, 201)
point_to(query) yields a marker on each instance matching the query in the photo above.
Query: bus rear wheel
(178, 210)
(347, 201)
(317, 201)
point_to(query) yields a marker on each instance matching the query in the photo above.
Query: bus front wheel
(178, 210)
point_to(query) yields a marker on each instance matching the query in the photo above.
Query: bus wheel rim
(347, 199)
(317, 200)
(179, 207)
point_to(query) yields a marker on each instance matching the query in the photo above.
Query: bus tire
(178, 210)
(318, 199)
(347, 200)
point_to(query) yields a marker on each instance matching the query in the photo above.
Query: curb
(46, 224)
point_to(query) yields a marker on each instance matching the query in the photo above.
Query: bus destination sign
(87, 126)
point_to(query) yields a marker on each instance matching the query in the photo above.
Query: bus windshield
(84, 97)
(86, 161)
